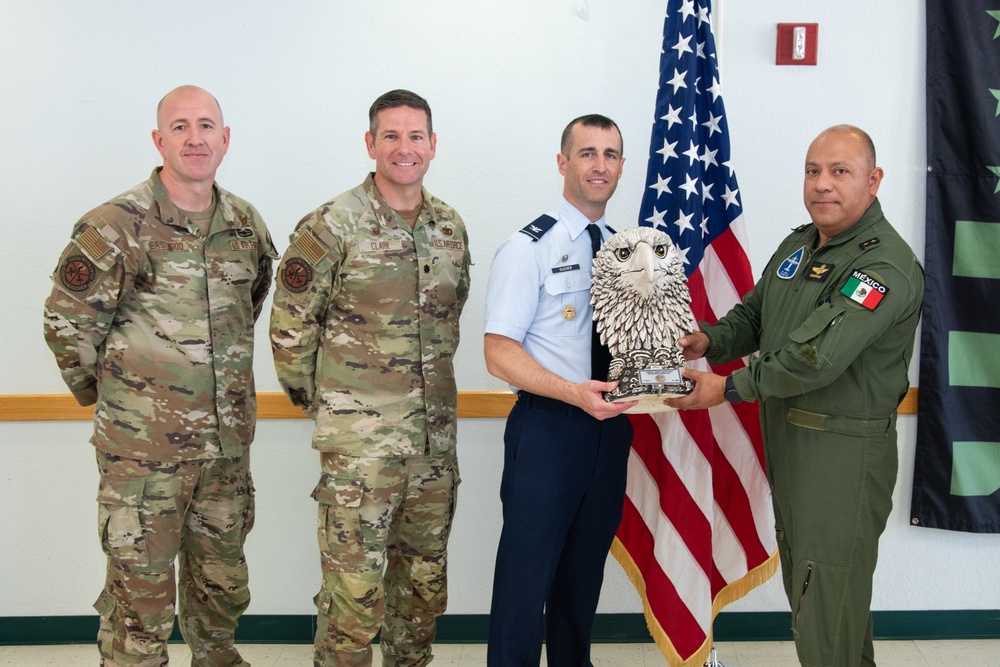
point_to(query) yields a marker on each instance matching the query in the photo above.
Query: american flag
(697, 531)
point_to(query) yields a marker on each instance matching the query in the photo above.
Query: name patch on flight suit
(819, 271)
(862, 288)
(790, 266)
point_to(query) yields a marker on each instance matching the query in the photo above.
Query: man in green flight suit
(833, 317)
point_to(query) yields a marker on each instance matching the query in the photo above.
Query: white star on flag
(662, 185)
(685, 570)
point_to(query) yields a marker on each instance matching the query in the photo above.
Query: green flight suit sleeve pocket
(118, 519)
(341, 544)
(812, 343)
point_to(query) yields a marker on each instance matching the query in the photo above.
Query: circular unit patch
(77, 273)
(296, 275)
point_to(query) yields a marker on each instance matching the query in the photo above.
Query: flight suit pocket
(119, 520)
(817, 610)
(817, 337)
(340, 542)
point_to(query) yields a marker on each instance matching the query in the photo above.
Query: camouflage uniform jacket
(155, 323)
(364, 325)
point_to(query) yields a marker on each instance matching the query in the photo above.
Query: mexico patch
(77, 273)
(296, 275)
(864, 289)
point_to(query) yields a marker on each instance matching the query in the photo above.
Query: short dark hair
(398, 98)
(590, 120)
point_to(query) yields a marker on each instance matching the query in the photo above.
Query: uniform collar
(871, 215)
(386, 216)
(576, 221)
(225, 217)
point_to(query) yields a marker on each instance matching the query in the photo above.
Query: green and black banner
(956, 479)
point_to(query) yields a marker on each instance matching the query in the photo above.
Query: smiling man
(833, 317)
(364, 330)
(151, 317)
(565, 447)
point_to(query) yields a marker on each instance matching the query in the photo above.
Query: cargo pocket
(340, 542)
(815, 339)
(324, 602)
(105, 604)
(817, 610)
(119, 523)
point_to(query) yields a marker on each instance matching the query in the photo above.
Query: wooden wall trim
(274, 405)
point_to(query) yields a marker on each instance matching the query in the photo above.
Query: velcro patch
(862, 288)
(296, 275)
(819, 271)
(311, 249)
(77, 273)
(93, 243)
(235, 244)
(380, 246)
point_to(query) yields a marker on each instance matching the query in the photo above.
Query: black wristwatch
(731, 394)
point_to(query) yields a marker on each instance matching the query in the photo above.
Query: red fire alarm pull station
(796, 44)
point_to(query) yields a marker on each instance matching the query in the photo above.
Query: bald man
(151, 320)
(833, 317)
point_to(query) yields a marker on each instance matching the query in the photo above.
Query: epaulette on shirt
(802, 228)
(539, 227)
(543, 224)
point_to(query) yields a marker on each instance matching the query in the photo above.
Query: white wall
(79, 85)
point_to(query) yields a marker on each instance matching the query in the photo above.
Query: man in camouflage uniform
(364, 329)
(151, 317)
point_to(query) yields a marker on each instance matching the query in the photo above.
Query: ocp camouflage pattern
(364, 324)
(155, 324)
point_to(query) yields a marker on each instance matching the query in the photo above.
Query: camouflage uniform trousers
(375, 515)
(149, 514)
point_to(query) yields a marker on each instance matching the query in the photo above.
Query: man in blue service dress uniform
(833, 316)
(565, 448)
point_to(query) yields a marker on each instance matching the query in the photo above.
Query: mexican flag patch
(864, 289)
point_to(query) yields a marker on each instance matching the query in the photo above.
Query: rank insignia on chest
(569, 312)
(790, 266)
(862, 288)
(819, 271)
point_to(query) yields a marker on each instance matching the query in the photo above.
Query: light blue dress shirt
(539, 293)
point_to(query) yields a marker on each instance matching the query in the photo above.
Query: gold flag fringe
(731, 593)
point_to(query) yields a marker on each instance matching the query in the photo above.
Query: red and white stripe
(697, 530)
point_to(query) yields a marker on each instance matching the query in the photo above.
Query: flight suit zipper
(802, 596)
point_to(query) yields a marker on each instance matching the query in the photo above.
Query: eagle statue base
(647, 376)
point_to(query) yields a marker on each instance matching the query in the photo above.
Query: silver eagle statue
(641, 307)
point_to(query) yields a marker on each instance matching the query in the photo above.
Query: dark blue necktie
(600, 357)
